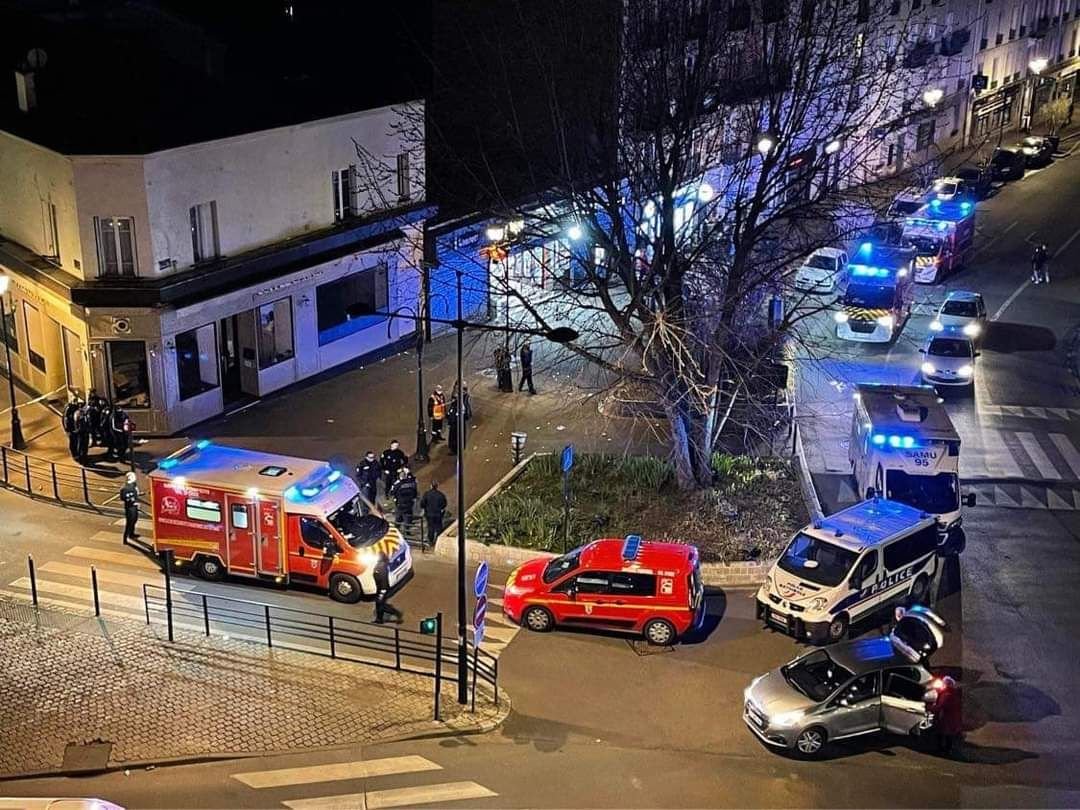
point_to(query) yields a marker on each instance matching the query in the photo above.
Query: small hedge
(752, 509)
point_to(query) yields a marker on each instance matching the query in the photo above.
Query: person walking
(391, 461)
(68, 420)
(404, 492)
(436, 408)
(526, 367)
(1039, 273)
(367, 478)
(433, 505)
(382, 589)
(129, 495)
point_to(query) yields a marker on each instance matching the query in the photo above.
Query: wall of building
(107, 187)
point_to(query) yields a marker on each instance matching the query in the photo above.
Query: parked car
(907, 202)
(1008, 163)
(963, 312)
(849, 689)
(977, 180)
(1038, 151)
(822, 271)
(948, 189)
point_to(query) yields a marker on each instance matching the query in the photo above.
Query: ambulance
(903, 447)
(260, 516)
(941, 233)
(878, 298)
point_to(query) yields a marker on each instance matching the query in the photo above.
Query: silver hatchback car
(848, 689)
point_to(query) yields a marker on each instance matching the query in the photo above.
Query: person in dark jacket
(404, 492)
(71, 414)
(451, 415)
(367, 478)
(129, 495)
(119, 433)
(95, 418)
(382, 588)
(436, 411)
(526, 368)
(82, 433)
(433, 505)
(392, 460)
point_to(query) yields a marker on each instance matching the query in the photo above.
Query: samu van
(847, 566)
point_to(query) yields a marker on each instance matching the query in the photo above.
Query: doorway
(229, 350)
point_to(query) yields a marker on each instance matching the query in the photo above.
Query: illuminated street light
(705, 192)
(574, 232)
(933, 96)
(765, 145)
(832, 147)
(495, 233)
(515, 226)
(1038, 65)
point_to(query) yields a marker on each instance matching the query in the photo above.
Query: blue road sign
(480, 581)
(479, 611)
(567, 458)
(478, 634)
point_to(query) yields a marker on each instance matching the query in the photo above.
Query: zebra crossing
(998, 453)
(410, 768)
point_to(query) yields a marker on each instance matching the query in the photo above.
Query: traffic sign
(480, 581)
(479, 611)
(478, 634)
(567, 458)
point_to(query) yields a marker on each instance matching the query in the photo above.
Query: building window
(115, 245)
(924, 135)
(129, 377)
(9, 335)
(892, 154)
(351, 303)
(275, 333)
(343, 187)
(197, 361)
(73, 365)
(35, 336)
(205, 244)
(404, 181)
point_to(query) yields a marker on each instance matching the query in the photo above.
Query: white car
(822, 270)
(949, 188)
(963, 313)
(949, 359)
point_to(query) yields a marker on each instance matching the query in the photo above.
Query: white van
(841, 569)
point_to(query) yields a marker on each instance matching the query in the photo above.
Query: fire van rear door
(271, 551)
(242, 534)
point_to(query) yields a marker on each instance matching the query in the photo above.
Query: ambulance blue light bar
(631, 547)
(867, 271)
(184, 455)
(894, 441)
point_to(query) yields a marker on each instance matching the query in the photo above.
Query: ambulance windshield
(936, 494)
(869, 296)
(817, 560)
(356, 527)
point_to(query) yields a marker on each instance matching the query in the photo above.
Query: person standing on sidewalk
(404, 494)
(367, 478)
(129, 495)
(382, 588)
(82, 433)
(392, 460)
(69, 421)
(452, 414)
(526, 368)
(433, 505)
(436, 409)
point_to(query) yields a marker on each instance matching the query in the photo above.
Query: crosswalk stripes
(1031, 412)
(1068, 453)
(410, 796)
(1037, 455)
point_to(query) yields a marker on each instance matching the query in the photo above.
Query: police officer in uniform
(95, 407)
(433, 504)
(129, 494)
(392, 460)
(119, 433)
(436, 408)
(404, 493)
(382, 587)
(526, 368)
(82, 433)
(367, 478)
(69, 421)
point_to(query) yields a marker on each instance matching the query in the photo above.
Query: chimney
(24, 86)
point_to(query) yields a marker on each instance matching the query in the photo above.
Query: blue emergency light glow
(291, 493)
(935, 203)
(866, 247)
(870, 272)
(898, 442)
(309, 492)
(334, 476)
(202, 444)
(965, 207)
(942, 226)
(631, 546)
(169, 463)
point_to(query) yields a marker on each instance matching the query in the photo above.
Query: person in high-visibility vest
(436, 408)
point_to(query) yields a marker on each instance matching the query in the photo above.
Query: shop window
(9, 334)
(129, 376)
(275, 333)
(205, 244)
(35, 337)
(197, 361)
(115, 245)
(351, 304)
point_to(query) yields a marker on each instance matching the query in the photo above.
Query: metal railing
(381, 645)
(64, 483)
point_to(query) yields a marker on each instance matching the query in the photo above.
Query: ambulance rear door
(271, 537)
(242, 535)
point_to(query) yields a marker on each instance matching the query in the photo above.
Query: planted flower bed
(750, 512)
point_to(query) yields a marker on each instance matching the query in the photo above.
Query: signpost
(567, 465)
(480, 583)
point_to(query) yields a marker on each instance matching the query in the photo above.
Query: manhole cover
(91, 756)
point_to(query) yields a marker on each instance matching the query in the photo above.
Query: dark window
(204, 511)
(900, 683)
(404, 180)
(633, 584)
(315, 534)
(868, 567)
(739, 16)
(272, 471)
(35, 336)
(561, 565)
(197, 361)
(908, 549)
(351, 304)
(894, 9)
(916, 4)
(343, 186)
(924, 135)
(115, 245)
(129, 378)
(205, 244)
(861, 689)
(862, 12)
(772, 11)
(239, 516)
(806, 14)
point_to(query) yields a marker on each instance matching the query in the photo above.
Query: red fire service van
(941, 232)
(638, 586)
(224, 510)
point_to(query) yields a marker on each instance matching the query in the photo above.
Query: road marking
(987, 245)
(105, 575)
(1068, 452)
(82, 594)
(132, 559)
(397, 797)
(1038, 455)
(64, 604)
(999, 459)
(503, 635)
(334, 771)
(1010, 299)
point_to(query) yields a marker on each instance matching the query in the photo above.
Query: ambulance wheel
(838, 628)
(811, 741)
(659, 632)
(210, 568)
(345, 588)
(919, 590)
(538, 619)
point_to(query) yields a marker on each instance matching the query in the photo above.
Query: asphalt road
(601, 721)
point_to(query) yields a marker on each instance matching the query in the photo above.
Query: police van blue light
(868, 271)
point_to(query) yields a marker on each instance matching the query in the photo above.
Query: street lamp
(17, 441)
(765, 145)
(1036, 66)
(933, 96)
(832, 147)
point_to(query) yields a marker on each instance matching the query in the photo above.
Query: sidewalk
(82, 693)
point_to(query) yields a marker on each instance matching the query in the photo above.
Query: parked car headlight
(965, 370)
(928, 368)
(786, 719)
(936, 326)
(972, 330)
(886, 321)
(840, 317)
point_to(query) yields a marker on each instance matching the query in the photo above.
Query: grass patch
(749, 513)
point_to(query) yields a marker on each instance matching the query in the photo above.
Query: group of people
(97, 423)
(503, 376)
(400, 484)
(441, 411)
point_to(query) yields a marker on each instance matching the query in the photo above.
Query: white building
(184, 282)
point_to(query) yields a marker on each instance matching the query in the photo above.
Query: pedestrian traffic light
(428, 626)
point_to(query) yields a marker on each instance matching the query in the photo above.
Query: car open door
(903, 707)
(918, 633)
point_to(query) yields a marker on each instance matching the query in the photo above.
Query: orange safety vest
(438, 407)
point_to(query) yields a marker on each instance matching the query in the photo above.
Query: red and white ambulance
(942, 233)
(225, 510)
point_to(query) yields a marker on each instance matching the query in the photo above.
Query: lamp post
(496, 235)
(932, 97)
(17, 441)
(1036, 66)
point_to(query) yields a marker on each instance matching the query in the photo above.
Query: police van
(878, 298)
(903, 446)
(847, 566)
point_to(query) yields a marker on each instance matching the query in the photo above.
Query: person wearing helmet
(129, 495)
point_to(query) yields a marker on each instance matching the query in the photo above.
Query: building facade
(189, 281)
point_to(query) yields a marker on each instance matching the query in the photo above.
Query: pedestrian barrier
(392, 647)
(64, 483)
